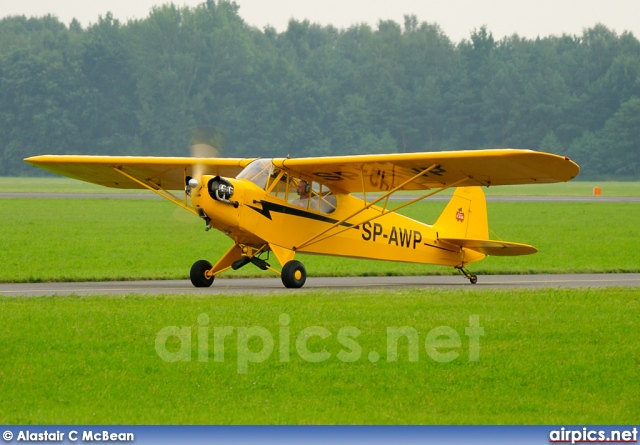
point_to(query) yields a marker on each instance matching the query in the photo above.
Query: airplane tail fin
(464, 223)
(465, 216)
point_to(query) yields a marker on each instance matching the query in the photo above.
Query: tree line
(141, 87)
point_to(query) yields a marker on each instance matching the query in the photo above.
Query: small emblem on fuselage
(460, 215)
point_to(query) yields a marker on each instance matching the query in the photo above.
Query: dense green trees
(138, 88)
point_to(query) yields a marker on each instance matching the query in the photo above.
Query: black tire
(197, 274)
(473, 279)
(294, 274)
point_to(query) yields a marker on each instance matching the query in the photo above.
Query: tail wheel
(200, 274)
(294, 274)
(473, 279)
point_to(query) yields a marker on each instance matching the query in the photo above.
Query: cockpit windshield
(258, 172)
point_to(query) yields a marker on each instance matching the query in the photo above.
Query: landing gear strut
(472, 278)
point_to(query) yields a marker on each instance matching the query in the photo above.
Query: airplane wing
(371, 173)
(167, 172)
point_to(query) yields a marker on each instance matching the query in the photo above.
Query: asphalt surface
(231, 286)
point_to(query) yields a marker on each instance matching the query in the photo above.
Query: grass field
(548, 356)
(544, 357)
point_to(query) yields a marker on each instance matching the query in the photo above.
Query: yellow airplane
(284, 206)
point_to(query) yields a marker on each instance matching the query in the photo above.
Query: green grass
(546, 357)
(123, 239)
(54, 184)
(573, 188)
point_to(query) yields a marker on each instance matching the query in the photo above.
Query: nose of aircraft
(217, 200)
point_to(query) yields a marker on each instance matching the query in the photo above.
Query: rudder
(465, 216)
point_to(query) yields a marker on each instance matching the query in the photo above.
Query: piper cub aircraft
(330, 205)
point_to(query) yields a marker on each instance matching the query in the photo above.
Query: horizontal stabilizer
(492, 247)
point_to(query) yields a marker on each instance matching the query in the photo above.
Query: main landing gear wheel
(199, 274)
(293, 274)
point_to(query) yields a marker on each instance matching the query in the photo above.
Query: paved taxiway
(230, 286)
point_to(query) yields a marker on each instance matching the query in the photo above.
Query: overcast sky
(457, 18)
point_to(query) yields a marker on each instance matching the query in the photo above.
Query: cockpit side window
(327, 201)
(280, 186)
(301, 193)
(296, 191)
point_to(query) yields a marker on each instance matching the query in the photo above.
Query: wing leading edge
(372, 173)
(166, 172)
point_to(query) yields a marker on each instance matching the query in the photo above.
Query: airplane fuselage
(256, 218)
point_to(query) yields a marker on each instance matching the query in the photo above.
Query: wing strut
(157, 189)
(386, 195)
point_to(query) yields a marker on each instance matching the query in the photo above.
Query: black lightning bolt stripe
(268, 207)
